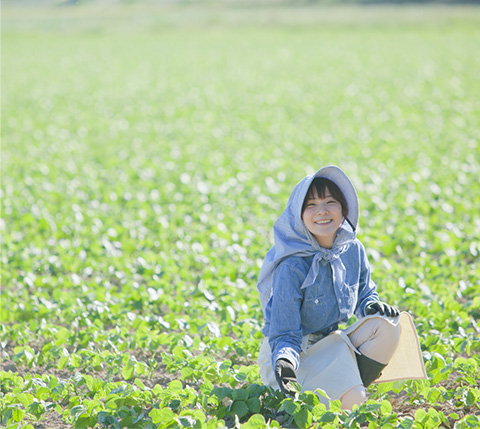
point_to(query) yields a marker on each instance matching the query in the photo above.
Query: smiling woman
(315, 277)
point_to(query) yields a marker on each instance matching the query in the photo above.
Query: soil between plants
(53, 420)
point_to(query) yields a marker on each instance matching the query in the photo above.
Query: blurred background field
(127, 16)
(147, 149)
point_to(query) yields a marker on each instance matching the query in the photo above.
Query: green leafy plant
(144, 162)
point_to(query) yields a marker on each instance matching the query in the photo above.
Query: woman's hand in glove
(382, 308)
(285, 374)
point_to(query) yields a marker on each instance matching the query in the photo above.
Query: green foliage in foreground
(142, 174)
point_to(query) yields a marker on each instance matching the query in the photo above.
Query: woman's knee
(389, 333)
(355, 396)
(383, 342)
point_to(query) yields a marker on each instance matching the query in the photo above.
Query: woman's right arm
(285, 336)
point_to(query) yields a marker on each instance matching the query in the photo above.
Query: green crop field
(146, 152)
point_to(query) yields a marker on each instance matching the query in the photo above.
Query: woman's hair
(322, 186)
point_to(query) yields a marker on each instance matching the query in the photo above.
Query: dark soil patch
(52, 420)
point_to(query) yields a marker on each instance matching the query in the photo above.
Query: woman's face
(322, 217)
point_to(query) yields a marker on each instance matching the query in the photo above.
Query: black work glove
(382, 308)
(285, 374)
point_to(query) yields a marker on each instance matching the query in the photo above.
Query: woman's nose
(322, 208)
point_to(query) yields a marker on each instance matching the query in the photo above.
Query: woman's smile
(323, 222)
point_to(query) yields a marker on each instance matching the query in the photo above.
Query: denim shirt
(293, 312)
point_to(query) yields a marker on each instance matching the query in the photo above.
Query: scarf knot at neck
(331, 256)
(326, 255)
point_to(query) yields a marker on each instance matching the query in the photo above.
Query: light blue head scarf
(291, 236)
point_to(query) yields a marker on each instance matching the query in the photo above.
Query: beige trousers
(330, 364)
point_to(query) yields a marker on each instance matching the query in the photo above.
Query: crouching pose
(315, 277)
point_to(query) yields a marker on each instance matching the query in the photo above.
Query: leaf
(179, 352)
(327, 417)
(434, 416)
(43, 393)
(256, 389)
(214, 329)
(421, 416)
(61, 336)
(368, 408)
(471, 398)
(62, 362)
(472, 421)
(336, 406)
(241, 394)
(434, 395)
(226, 364)
(29, 356)
(75, 361)
(208, 295)
(406, 424)
(186, 373)
(303, 418)
(164, 415)
(199, 416)
(206, 388)
(239, 408)
(158, 390)
(231, 313)
(186, 421)
(386, 408)
(319, 410)
(25, 398)
(17, 414)
(128, 370)
(140, 383)
(257, 421)
(77, 410)
(175, 404)
(82, 423)
(108, 420)
(240, 376)
(36, 408)
(175, 386)
(254, 405)
(289, 406)
(384, 387)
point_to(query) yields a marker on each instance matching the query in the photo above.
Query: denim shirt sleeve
(367, 290)
(285, 335)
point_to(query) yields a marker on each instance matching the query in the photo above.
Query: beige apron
(330, 364)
